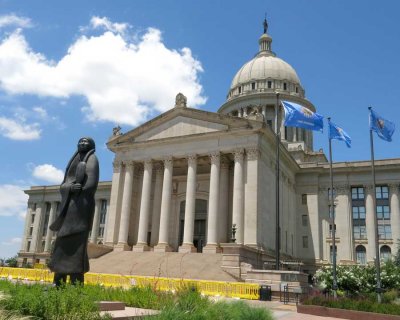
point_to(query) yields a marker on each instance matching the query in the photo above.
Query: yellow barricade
(211, 288)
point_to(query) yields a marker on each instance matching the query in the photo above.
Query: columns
(163, 239)
(370, 222)
(238, 196)
(49, 235)
(251, 192)
(187, 245)
(213, 205)
(28, 222)
(37, 227)
(144, 208)
(264, 113)
(224, 235)
(125, 208)
(96, 219)
(155, 217)
(110, 236)
(394, 215)
(295, 134)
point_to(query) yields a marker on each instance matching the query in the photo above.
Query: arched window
(361, 254)
(386, 253)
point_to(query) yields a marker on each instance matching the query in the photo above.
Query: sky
(79, 68)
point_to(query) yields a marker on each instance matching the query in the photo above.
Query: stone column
(96, 220)
(394, 215)
(111, 236)
(238, 195)
(224, 235)
(144, 208)
(251, 192)
(264, 113)
(125, 208)
(28, 222)
(155, 217)
(295, 134)
(245, 113)
(37, 227)
(163, 239)
(370, 222)
(190, 203)
(49, 235)
(213, 206)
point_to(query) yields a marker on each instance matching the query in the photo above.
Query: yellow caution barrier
(211, 288)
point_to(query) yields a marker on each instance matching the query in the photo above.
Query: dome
(264, 67)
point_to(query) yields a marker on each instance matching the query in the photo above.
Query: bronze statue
(75, 215)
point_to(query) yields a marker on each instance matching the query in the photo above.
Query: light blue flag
(338, 133)
(384, 128)
(302, 117)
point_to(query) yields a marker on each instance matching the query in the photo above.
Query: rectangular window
(331, 253)
(305, 242)
(358, 212)
(330, 231)
(382, 192)
(103, 211)
(240, 90)
(304, 220)
(269, 123)
(32, 218)
(269, 83)
(30, 231)
(385, 231)
(284, 86)
(383, 212)
(357, 193)
(303, 199)
(332, 213)
(329, 194)
(360, 232)
(34, 206)
(28, 246)
(253, 86)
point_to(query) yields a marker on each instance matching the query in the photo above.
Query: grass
(78, 302)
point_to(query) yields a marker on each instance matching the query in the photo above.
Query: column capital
(129, 165)
(191, 158)
(368, 188)
(148, 164)
(168, 162)
(253, 153)
(342, 189)
(215, 157)
(238, 154)
(117, 166)
(159, 168)
(224, 162)
(394, 187)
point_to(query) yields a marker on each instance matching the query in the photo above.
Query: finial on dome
(265, 24)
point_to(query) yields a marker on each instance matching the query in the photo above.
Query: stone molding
(342, 189)
(129, 165)
(369, 188)
(253, 154)
(148, 164)
(394, 188)
(168, 162)
(117, 166)
(191, 158)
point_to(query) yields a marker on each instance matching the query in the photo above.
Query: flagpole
(277, 226)
(377, 259)
(332, 213)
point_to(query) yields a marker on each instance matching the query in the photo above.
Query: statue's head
(86, 144)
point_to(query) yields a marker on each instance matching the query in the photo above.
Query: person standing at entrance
(75, 215)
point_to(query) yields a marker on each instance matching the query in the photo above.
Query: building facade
(185, 179)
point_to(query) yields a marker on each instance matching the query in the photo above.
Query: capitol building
(185, 179)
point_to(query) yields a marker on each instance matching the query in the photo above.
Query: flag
(384, 128)
(338, 133)
(302, 117)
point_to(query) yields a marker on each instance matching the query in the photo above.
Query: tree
(12, 262)
(397, 254)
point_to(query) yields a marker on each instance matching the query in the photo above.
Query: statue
(117, 131)
(180, 101)
(75, 215)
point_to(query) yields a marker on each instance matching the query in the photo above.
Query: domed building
(192, 181)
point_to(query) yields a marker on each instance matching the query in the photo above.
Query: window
(303, 199)
(269, 123)
(43, 245)
(359, 222)
(357, 193)
(253, 86)
(34, 206)
(297, 90)
(269, 83)
(382, 192)
(329, 194)
(32, 218)
(385, 253)
(103, 211)
(332, 214)
(385, 231)
(304, 220)
(240, 90)
(305, 242)
(30, 231)
(28, 246)
(383, 212)
(358, 212)
(360, 232)
(284, 86)
(361, 255)
(331, 253)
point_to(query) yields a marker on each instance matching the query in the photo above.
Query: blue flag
(338, 133)
(384, 128)
(302, 117)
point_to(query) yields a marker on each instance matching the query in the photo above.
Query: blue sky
(77, 68)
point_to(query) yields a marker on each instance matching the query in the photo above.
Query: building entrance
(200, 223)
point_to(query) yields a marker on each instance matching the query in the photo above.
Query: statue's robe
(75, 216)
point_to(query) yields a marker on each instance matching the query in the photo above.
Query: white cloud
(13, 200)
(12, 241)
(41, 113)
(14, 21)
(18, 129)
(97, 22)
(49, 173)
(124, 81)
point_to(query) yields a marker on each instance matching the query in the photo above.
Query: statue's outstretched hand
(76, 187)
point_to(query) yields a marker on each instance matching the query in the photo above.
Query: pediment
(180, 126)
